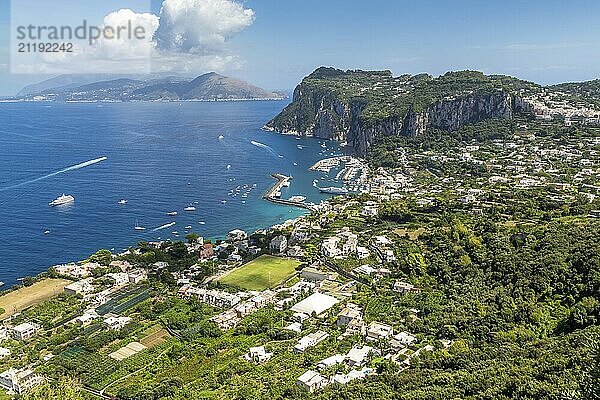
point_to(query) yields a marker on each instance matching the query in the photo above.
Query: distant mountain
(207, 87)
(65, 82)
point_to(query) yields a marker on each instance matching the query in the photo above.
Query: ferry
(62, 199)
(334, 190)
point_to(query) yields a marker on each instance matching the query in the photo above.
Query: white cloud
(200, 26)
(187, 36)
(127, 46)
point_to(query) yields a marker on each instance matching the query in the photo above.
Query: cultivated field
(21, 299)
(155, 338)
(261, 273)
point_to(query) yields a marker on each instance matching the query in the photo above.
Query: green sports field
(261, 273)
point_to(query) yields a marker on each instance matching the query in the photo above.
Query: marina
(274, 193)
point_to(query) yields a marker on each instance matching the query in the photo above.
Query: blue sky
(544, 41)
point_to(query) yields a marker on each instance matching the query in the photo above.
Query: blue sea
(161, 157)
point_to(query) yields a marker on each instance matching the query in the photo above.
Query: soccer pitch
(262, 273)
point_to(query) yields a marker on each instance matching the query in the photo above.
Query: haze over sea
(161, 157)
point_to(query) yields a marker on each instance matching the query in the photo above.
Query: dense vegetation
(380, 95)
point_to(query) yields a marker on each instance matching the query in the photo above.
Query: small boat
(62, 199)
(243, 201)
(188, 227)
(123, 201)
(221, 137)
(190, 208)
(228, 166)
(172, 213)
(46, 232)
(175, 233)
(295, 164)
(223, 201)
(1, 283)
(202, 222)
(334, 190)
(138, 227)
(189, 183)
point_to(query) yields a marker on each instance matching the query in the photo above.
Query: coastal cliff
(361, 106)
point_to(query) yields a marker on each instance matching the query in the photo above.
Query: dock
(274, 193)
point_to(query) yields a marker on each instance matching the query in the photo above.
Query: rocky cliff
(326, 108)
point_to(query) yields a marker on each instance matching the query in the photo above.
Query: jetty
(274, 193)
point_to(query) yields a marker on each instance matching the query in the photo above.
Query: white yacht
(62, 199)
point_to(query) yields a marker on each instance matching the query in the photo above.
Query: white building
(405, 288)
(258, 355)
(137, 276)
(403, 339)
(81, 287)
(364, 270)
(278, 244)
(329, 247)
(237, 235)
(349, 313)
(377, 331)
(330, 361)
(120, 278)
(316, 303)
(19, 380)
(4, 352)
(362, 252)
(25, 331)
(72, 270)
(358, 356)
(311, 381)
(310, 340)
(117, 323)
(87, 318)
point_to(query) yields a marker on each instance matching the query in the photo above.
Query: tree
(63, 389)
(192, 237)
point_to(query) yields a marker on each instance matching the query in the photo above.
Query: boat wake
(165, 226)
(62, 171)
(268, 148)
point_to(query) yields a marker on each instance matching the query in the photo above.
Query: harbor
(274, 193)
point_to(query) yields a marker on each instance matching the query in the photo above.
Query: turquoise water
(161, 157)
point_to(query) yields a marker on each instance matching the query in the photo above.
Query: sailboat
(138, 227)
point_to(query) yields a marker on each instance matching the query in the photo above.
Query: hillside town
(328, 291)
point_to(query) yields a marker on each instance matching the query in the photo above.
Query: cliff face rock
(324, 115)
